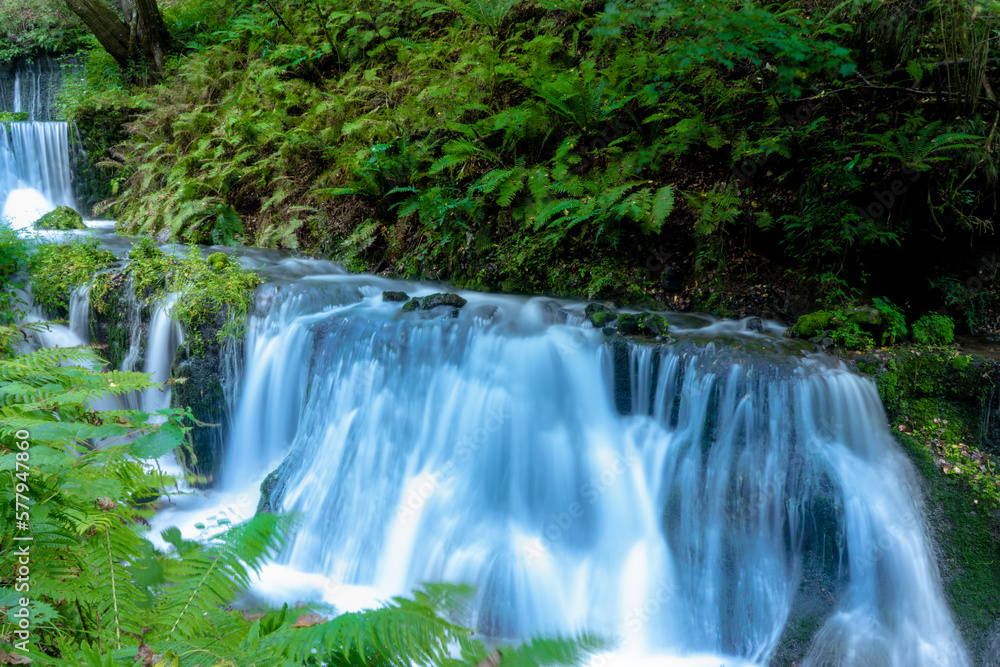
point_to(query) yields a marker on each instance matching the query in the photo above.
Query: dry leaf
(13, 658)
(310, 620)
(250, 618)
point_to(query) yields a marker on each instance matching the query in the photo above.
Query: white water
(488, 450)
(35, 174)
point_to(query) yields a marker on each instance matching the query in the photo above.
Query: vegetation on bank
(57, 269)
(204, 289)
(767, 159)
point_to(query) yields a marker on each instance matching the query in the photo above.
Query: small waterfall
(165, 337)
(682, 517)
(35, 174)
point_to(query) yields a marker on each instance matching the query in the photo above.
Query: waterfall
(681, 500)
(35, 174)
(32, 87)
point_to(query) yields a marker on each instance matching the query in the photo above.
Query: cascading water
(35, 172)
(31, 86)
(677, 499)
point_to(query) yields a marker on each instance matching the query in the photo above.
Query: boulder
(652, 324)
(390, 295)
(412, 304)
(867, 318)
(755, 324)
(645, 323)
(62, 219)
(628, 324)
(442, 299)
(812, 324)
(599, 315)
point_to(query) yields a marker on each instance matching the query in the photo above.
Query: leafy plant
(893, 320)
(934, 329)
(57, 269)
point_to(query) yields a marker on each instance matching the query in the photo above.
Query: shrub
(934, 329)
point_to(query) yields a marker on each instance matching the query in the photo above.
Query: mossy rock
(628, 324)
(645, 323)
(599, 315)
(652, 324)
(412, 304)
(218, 261)
(442, 299)
(812, 324)
(389, 295)
(867, 318)
(63, 218)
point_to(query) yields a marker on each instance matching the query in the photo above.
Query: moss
(209, 290)
(812, 324)
(110, 327)
(217, 261)
(9, 116)
(63, 218)
(57, 269)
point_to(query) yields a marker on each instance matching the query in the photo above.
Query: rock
(218, 261)
(389, 295)
(755, 324)
(62, 219)
(671, 280)
(412, 304)
(827, 343)
(652, 324)
(646, 323)
(812, 324)
(599, 315)
(628, 324)
(867, 318)
(442, 299)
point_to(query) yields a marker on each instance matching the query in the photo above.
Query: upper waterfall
(35, 171)
(32, 86)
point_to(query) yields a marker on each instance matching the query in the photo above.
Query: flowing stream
(693, 502)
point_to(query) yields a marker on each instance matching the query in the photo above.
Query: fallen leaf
(308, 621)
(13, 658)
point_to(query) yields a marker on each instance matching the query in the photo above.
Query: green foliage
(934, 329)
(13, 263)
(213, 292)
(893, 320)
(57, 269)
(33, 28)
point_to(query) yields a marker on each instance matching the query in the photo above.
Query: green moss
(57, 269)
(63, 218)
(8, 116)
(206, 291)
(812, 324)
(218, 261)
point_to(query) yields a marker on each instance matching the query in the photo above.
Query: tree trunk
(138, 44)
